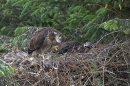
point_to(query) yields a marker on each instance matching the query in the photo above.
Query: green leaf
(126, 31)
(115, 4)
(35, 12)
(75, 8)
(106, 5)
(2, 29)
(110, 25)
(11, 70)
(26, 6)
(19, 2)
(101, 11)
(3, 49)
(7, 2)
(120, 6)
(2, 73)
(89, 17)
(19, 30)
(73, 20)
(4, 70)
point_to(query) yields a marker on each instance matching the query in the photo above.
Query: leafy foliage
(20, 39)
(110, 25)
(19, 30)
(116, 24)
(3, 49)
(76, 19)
(23, 34)
(5, 70)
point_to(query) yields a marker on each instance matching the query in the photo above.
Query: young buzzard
(73, 47)
(43, 39)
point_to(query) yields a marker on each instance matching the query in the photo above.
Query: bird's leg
(43, 55)
(56, 47)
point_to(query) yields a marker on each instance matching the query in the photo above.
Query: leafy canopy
(79, 20)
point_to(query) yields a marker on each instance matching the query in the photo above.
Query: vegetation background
(80, 20)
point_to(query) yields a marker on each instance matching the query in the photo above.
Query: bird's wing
(38, 37)
(37, 40)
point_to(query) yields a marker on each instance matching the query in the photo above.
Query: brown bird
(73, 47)
(48, 42)
(43, 39)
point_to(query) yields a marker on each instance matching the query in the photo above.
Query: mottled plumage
(43, 39)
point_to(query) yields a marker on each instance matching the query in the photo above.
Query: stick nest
(106, 65)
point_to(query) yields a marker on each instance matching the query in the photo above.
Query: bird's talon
(41, 56)
(56, 47)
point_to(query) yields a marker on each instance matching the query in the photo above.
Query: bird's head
(51, 36)
(58, 37)
(88, 45)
